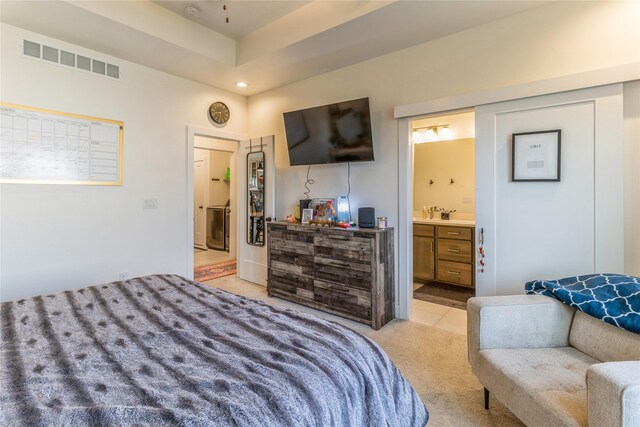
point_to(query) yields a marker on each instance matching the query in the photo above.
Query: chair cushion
(541, 386)
(603, 341)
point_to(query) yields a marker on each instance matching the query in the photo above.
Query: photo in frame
(307, 216)
(535, 156)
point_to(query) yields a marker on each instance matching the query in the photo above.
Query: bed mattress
(163, 350)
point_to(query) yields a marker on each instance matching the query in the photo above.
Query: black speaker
(304, 204)
(366, 217)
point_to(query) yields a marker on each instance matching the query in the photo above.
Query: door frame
(191, 133)
(406, 113)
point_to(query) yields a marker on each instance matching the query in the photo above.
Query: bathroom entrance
(443, 211)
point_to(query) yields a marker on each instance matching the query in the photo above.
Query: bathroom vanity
(444, 251)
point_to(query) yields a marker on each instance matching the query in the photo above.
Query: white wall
(218, 190)
(441, 162)
(550, 41)
(632, 177)
(57, 237)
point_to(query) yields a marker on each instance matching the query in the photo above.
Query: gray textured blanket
(162, 350)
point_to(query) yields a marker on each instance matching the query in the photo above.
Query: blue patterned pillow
(613, 298)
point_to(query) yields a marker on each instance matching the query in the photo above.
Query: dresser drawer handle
(453, 250)
(340, 263)
(454, 272)
(453, 232)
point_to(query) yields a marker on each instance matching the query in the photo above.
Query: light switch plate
(150, 203)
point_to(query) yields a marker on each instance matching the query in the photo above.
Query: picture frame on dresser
(307, 216)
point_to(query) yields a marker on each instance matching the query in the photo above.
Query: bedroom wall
(550, 41)
(57, 237)
(218, 190)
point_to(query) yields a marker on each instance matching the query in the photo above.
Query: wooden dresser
(349, 272)
(444, 253)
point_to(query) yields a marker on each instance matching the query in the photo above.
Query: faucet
(432, 209)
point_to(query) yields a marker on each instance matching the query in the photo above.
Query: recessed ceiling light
(191, 11)
(241, 84)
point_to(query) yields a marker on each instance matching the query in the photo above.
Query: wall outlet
(150, 203)
(123, 275)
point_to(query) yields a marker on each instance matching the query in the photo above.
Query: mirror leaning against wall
(255, 198)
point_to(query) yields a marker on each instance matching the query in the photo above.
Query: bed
(163, 350)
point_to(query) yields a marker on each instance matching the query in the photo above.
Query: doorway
(214, 209)
(443, 214)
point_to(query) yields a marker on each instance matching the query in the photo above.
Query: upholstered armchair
(552, 365)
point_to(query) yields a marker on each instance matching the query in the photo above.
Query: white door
(200, 189)
(252, 260)
(550, 230)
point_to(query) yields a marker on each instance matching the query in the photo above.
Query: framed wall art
(535, 156)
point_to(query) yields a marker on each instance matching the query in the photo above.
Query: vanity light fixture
(431, 133)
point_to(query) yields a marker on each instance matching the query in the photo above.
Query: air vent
(113, 71)
(31, 49)
(69, 59)
(84, 63)
(49, 54)
(99, 67)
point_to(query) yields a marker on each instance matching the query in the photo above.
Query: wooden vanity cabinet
(424, 244)
(444, 253)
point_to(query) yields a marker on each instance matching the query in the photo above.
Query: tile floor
(211, 256)
(439, 316)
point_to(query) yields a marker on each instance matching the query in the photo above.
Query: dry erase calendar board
(51, 147)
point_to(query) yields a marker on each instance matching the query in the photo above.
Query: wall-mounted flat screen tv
(333, 133)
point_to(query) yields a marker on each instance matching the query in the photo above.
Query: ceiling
(245, 16)
(266, 43)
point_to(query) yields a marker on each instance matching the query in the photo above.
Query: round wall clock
(219, 112)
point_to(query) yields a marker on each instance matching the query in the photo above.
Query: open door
(200, 190)
(256, 206)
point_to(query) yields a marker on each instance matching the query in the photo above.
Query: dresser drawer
(454, 250)
(454, 272)
(423, 230)
(353, 275)
(338, 297)
(343, 247)
(460, 233)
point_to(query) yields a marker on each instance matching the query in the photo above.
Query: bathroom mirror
(255, 198)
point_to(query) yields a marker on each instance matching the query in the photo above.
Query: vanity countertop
(453, 222)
